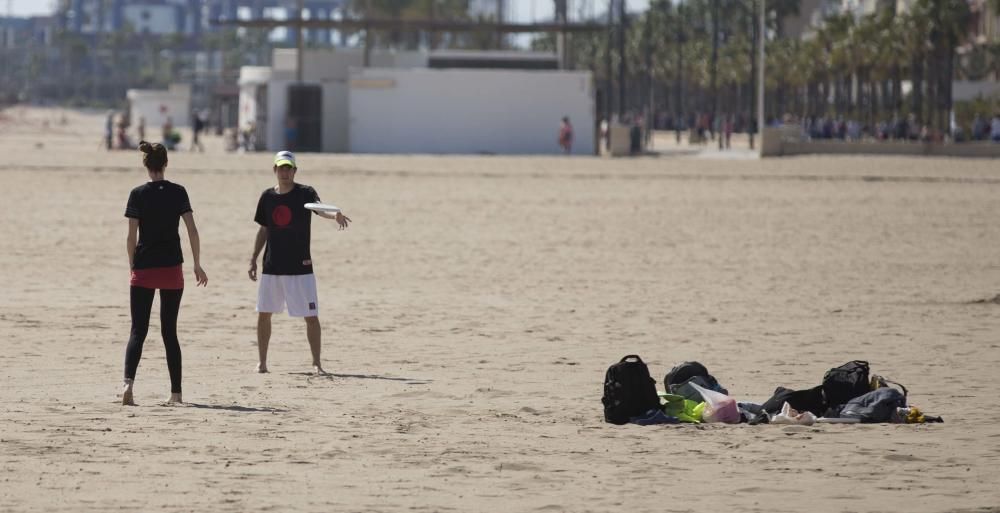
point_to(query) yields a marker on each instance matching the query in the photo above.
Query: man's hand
(343, 221)
(253, 270)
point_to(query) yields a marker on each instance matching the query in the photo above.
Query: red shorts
(170, 278)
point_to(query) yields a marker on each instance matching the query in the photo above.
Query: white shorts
(298, 291)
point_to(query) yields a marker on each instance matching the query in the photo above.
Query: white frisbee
(322, 207)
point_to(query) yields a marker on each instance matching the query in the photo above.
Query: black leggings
(141, 300)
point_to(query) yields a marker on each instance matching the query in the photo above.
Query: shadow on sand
(333, 375)
(236, 408)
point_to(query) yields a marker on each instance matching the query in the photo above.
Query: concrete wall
(775, 145)
(469, 111)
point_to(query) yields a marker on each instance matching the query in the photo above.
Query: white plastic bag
(790, 415)
(718, 407)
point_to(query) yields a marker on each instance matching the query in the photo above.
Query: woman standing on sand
(154, 211)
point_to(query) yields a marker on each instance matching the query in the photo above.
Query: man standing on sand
(288, 277)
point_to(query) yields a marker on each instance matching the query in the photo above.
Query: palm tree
(915, 26)
(948, 29)
(889, 58)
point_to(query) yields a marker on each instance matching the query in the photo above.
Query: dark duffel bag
(810, 399)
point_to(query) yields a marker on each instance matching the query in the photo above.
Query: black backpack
(850, 380)
(629, 391)
(683, 373)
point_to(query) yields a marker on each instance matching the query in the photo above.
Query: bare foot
(127, 393)
(318, 370)
(262, 368)
(175, 399)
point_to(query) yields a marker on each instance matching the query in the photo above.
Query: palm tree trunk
(916, 95)
(950, 76)
(679, 111)
(934, 82)
(878, 100)
(715, 65)
(897, 89)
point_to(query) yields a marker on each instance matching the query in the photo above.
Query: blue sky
(522, 10)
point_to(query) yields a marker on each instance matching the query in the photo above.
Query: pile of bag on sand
(848, 394)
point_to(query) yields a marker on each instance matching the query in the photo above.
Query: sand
(469, 315)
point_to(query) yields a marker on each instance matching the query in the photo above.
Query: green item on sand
(683, 409)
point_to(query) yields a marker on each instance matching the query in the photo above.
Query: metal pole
(621, 59)
(760, 76)
(753, 67)
(561, 17)
(500, 19)
(368, 35)
(298, 44)
(607, 61)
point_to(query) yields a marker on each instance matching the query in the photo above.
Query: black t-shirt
(158, 206)
(288, 225)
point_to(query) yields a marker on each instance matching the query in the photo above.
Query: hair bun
(145, 147)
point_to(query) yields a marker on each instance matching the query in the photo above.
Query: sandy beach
(469, 315)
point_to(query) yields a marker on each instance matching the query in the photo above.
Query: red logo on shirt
(281, 215)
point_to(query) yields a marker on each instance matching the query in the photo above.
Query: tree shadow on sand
(236, 408)
(334, 375)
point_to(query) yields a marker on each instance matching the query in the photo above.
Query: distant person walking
(566, 135)
(154, 211)
(109, 126)
(995, 128)
(287, 278)
(197, 125)
(727, 130)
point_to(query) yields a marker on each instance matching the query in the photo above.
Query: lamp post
(298, 43)
(760, 77)
(752, 18)
(621, 59)
(609, 94)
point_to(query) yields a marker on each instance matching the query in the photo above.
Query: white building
(264, 98)
(158, 105)
(489, 111)
(402, 104)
